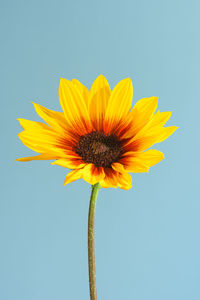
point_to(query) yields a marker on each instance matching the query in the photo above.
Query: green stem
(91, 248)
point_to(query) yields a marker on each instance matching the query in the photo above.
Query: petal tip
(34, 104)
(19, 159)
(155, 99)
(128, 81)
(101, 76)
(64, 80)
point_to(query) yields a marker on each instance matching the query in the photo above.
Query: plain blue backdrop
(147, 238)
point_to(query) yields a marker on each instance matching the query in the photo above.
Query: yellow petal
(137, 167)
(149, 137)
(142, 112)
(119, 104)
(115, 179)
(160, 118)
(82, 89)
(73, 175)
(99, 95)
(123, 178)
(92, 174)
(138, 121)
(70, 163)
(138, 162)
(42, 141)
(118, 167)
(154, 125)
(110, 179)
(32, 125)
(124, 181)
(37, 157)
(165, 133)
(54, 119)
(74, 107)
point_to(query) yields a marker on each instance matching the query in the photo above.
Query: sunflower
(98, 136)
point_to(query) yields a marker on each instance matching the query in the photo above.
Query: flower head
(97, 135)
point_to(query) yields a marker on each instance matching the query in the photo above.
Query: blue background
(147, 238)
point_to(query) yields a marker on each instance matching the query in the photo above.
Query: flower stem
(91, 248)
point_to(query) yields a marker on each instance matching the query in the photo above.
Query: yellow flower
(97, 135)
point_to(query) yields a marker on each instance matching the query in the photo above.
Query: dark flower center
(99, 148)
